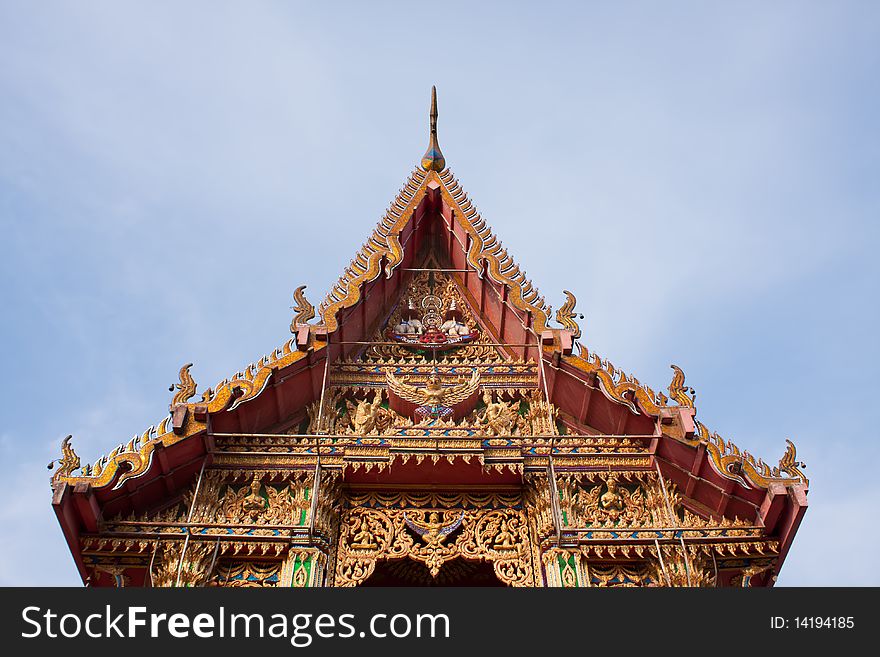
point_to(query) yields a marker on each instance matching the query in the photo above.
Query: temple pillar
(303, 568)
(564, 568)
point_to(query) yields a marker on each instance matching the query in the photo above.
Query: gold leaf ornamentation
(567, 316)
(69, 461)
(186, 388)
(304, 310)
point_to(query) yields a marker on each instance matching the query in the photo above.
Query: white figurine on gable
(410, 324)
(453, 326)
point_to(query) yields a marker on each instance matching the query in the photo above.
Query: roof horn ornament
(186, 389)
(567, 316)
(68, 463)
(304, 310)
(433, 159)
(682, 394)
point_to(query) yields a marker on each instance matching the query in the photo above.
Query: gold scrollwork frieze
(434, 536)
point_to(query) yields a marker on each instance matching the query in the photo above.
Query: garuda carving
(434, 394)
(433, 531)
(434, 400)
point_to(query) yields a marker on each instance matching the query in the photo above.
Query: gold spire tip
(433, 159)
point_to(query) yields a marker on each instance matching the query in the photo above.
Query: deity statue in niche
(504, 540)
(254, 504)
(611, 500)
(364, 539)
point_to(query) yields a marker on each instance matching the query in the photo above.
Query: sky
(702, 175)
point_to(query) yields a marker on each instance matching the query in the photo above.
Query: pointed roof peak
(433, 159)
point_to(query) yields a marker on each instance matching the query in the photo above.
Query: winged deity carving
(435, 529)
(434, 394)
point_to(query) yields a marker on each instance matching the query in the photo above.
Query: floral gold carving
(248, 574)
(414, 528)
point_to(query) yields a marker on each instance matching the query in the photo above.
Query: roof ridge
(501, 266)
(366, 266)
(382, 242)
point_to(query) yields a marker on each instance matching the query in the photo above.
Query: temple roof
(519, 316)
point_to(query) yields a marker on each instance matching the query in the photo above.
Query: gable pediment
(431, 361)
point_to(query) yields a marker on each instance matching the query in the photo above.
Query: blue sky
(702, 175)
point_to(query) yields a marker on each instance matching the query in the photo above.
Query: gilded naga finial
(433, 159)
(68, 462)
(304, 310)
(566, 315)
(682, 394)
(185, 389)
(789, 464)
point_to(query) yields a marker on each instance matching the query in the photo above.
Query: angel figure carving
(499, 417)
(504, 539)
(615, 504)
(363, 538)
(434, 395)
(245, 504)
(263, 504)
(367, 417)
(254, 504)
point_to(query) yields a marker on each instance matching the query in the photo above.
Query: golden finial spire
(433, 159)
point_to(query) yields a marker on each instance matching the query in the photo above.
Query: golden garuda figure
(435, 529)
(434, 399)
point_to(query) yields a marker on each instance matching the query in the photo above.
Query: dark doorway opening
(458, 572)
